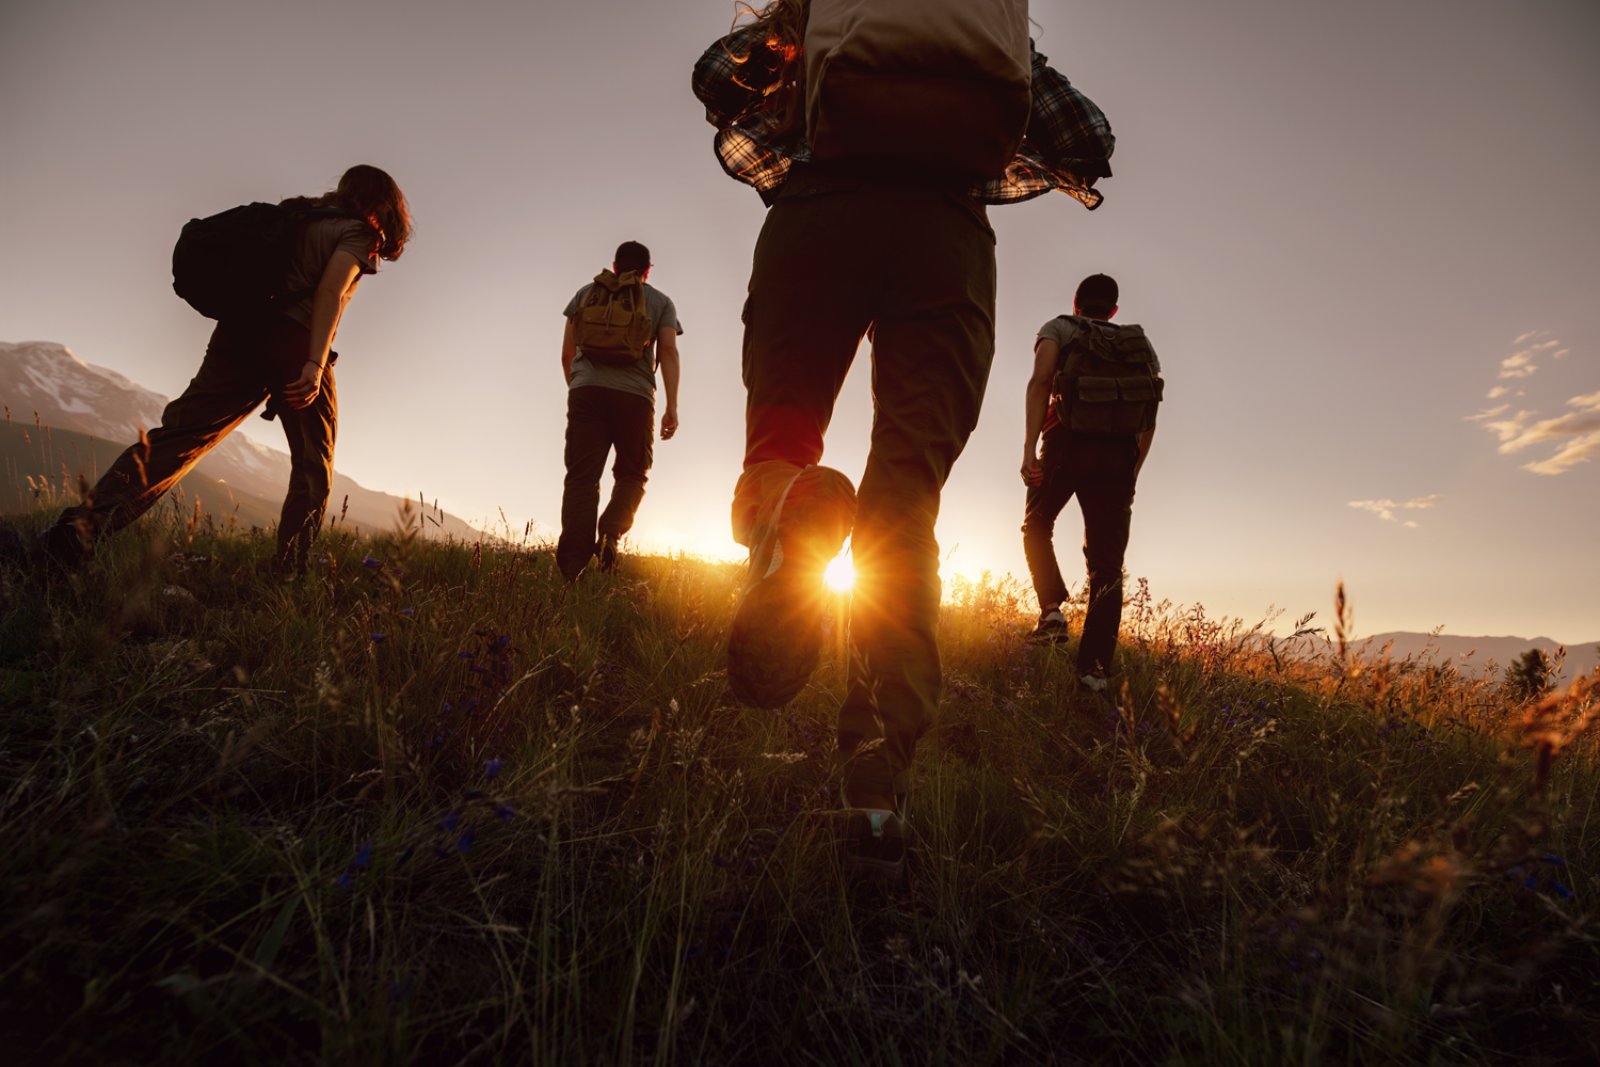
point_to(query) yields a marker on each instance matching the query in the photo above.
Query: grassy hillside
(430, 805)
(40, 467)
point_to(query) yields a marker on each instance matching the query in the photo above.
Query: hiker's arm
(1045, 354)
(1144, 448)
(569, 350)
(333, 292)
(667, 360)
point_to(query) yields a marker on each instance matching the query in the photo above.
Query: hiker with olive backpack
(877, 132)
(1092, 400)
(619, 330)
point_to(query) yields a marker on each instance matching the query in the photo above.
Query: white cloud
(1519, 365)
(1576, 450)
(1385, 509)
(1574, 437)
(1587, 402)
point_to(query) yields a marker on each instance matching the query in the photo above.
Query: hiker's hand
(669, 424)
(1032, 471)
(303, 390)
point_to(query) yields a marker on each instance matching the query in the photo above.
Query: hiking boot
(1052, 628)
(776, 637)
(607, 553)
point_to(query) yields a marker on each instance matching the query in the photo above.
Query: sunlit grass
(434, 805)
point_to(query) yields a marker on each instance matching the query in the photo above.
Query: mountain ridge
(61, 390)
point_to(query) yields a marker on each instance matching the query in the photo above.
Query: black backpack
(236, 263)
(1106, 382)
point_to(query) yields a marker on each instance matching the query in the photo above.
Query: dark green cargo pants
(913, 268)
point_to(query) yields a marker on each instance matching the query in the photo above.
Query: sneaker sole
(775, 642)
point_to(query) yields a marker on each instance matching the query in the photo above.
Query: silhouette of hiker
(1092, 397)
(278, 350)
(876, 173)
(619, 329)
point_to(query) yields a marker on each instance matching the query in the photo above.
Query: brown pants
(913, 268)
(599, 420)
(245, 363)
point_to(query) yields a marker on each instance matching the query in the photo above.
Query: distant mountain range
(1470, 655)
(65, 417)
(1477, 654)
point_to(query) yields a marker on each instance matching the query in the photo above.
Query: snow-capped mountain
(48, 382)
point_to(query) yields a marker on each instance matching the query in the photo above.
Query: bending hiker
(619, 328)
(277, 279)
(1093, 398)
(876, 171)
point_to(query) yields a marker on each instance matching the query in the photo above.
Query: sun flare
(841, 573)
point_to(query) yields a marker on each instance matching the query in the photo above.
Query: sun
(841, 573)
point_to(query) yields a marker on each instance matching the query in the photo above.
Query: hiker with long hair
(279, 351)
(876, 165)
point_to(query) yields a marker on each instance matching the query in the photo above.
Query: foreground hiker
(277, 279)
(876, 169)
(1092, 398)
(619, 329)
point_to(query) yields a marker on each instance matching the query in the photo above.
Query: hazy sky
(1350, 228)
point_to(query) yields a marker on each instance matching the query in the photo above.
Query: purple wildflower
(492, 768)
(371, 563)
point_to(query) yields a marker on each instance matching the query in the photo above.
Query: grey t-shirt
(318, 240)
(1062, 329)
(638, 378)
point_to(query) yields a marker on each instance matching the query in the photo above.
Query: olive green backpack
(1106, 381)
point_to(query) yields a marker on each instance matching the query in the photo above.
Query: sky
(1361, 236)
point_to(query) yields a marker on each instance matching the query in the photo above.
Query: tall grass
(433, 805)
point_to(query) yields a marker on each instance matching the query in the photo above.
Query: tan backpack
(942, 85)
(613, 323)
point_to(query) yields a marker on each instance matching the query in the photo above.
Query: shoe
(872, 838)
(776, 637)
(1094, 683)
(1052, 628)
(872, 842)
(607, 553)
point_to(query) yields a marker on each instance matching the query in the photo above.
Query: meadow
(431, 805)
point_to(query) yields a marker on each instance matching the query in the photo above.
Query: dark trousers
(598, 420)
(245, 363)
(913, 269)
(1100, 472)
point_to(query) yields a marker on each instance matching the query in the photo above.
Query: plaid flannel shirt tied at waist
(1067, 147)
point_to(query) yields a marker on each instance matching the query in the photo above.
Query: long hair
(369, 192)
(781, 27)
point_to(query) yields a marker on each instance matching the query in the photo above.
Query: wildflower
(346, 880)
(378, 639)
(465, 653)
(364, 855)
(1553, 859)
(1562, 891)
(451, 820)
(465, 841)
(371, 563)
(491, 768)
(408, 612)
(1530, 882)
(504, 812)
